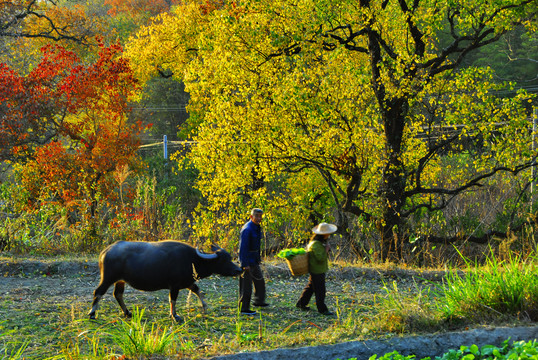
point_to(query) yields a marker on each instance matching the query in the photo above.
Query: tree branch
(475, 182)
(54, 32)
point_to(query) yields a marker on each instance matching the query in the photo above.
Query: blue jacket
(249, 244)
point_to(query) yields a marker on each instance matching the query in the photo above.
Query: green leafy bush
(516, 350)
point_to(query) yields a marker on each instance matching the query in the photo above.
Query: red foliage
(84, 108)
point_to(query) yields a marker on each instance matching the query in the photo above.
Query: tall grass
(135, 337)
(132, 337)
(500, 288)
(406, 311)
(12, 351)
(98, 349)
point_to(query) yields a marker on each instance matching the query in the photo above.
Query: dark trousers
(252, 276)
(316, 285)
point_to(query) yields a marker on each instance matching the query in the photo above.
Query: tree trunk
(393, 184)
(393, 114)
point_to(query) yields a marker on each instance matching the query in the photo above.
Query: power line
(162, 108)
(170, 143)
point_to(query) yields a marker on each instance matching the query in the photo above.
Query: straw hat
(324, 229)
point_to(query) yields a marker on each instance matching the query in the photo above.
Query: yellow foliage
(281, 97)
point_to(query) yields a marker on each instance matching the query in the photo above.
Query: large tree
(358, 105)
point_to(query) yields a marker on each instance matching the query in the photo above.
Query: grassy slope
(50, 311)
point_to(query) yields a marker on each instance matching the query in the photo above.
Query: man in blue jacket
(250, 259)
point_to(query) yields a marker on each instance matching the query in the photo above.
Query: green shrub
(516, 350)
(135, 337)
(508, 288)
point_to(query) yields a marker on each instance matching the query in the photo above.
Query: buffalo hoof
(92, 316)
(128, 314)
(177, 318)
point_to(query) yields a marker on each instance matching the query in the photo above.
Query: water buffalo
(151, 266)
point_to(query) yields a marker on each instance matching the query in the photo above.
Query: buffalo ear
(215, 247)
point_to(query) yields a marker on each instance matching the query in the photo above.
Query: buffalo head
(223, 264)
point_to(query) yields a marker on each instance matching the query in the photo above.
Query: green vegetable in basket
(289, 253)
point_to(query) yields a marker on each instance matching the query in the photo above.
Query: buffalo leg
(173, 298)
(195, 289)
(97, 295)
(119, 288)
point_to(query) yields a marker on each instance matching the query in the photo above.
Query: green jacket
(317, 257)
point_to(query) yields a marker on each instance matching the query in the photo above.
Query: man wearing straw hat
(318, 265)
(250, 259)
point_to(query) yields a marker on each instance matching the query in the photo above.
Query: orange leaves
(109, 79)
(84, 108)
(56, 62)
(209, 6)
(48, 170)
(9, 82)
(10, 85)
(21, 99)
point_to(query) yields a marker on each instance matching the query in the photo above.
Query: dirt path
(421, 346)
(51, 280)
(58, 279)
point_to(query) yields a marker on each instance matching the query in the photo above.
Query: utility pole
(165, 152)
(165, 146)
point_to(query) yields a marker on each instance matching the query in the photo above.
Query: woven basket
(298, 264)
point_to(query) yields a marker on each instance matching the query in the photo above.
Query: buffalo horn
(206, 256)
(215, 247)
